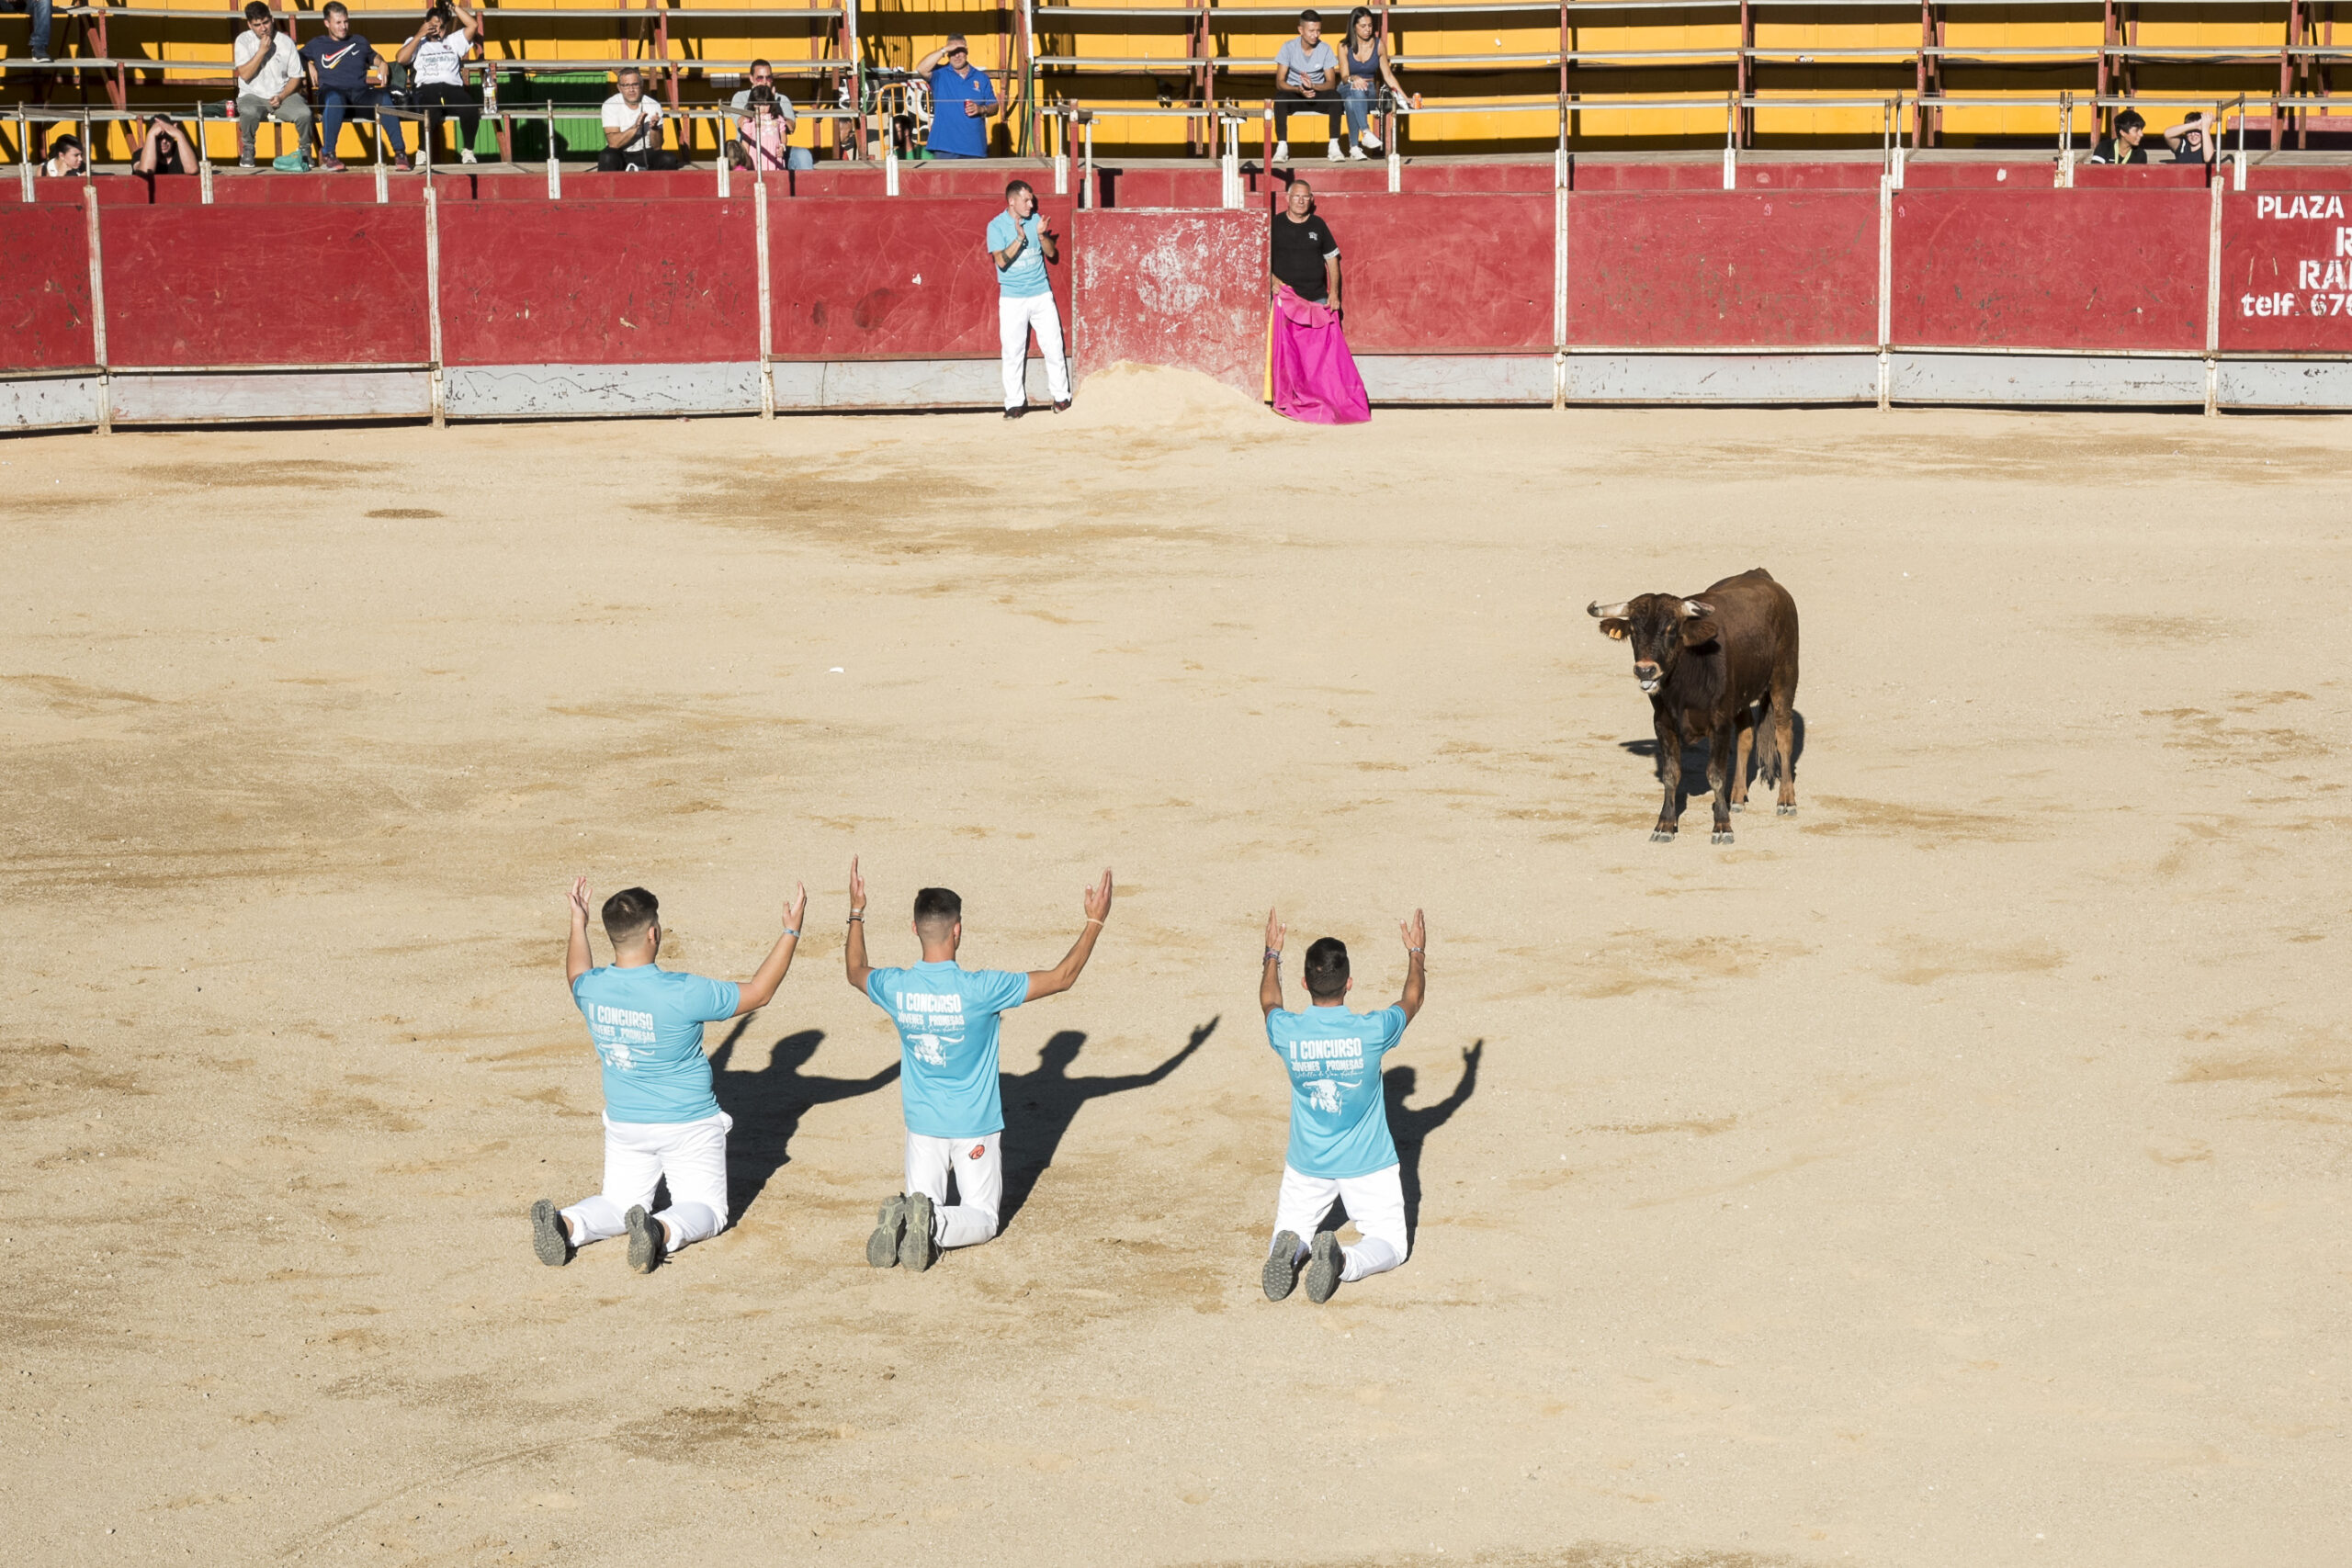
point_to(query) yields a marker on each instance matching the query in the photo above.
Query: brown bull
(1707, 663)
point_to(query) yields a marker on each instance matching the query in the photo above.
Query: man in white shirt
(438, 54)
(269, 83)
(633, 129)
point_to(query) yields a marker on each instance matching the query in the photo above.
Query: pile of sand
(1157, 398)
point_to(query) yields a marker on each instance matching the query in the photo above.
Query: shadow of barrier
(478, 296)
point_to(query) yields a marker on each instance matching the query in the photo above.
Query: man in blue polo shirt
(662, 1121)
(961, 100)
(1339, 1144)
(947, 1080)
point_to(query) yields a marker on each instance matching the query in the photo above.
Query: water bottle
(489, 89)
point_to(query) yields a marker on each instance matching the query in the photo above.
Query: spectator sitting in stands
(437, 55)
(64, 157)
(269, 82)
(761, 144)
(338, 59)
(164, 150)
(961, 99)
(41, 11)
(2123, 147)
(2188, 142)
(1367, 67)
(750, 156)
(1305, 73)
(633, 130)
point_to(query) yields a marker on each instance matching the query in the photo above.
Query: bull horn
(1695, 610)
(1600, 612)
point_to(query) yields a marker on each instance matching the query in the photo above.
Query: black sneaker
(647, 1245)
(882, 1246)
(916, 1249)
(1015, 413)
(550, 1238)
(1281, 1273)
(1324, 1265)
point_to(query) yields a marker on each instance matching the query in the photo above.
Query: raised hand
(1098, 899)
(1416, 932)
(580, 899)
(1275, 931)
(797, 908)
(856, 889)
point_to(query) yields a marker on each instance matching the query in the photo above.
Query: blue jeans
(40, 12)
(365, 101)
(1359, 101)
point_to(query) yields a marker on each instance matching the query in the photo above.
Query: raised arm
(578, 957)
(1063, 976)
(1416, 934)
(922, 67)
(854, 949)
(1270, 977)
(760, 990)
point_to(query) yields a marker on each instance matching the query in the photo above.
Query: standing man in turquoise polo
(662, 1121)
(1020, 244)
(1340, 1148)
(961, 100)
(947, 1080)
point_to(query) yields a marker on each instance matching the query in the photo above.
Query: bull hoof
(1721, 836)
(1788, 810)
(1739, 806)
(1661, 835)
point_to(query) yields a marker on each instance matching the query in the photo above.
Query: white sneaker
(1356, 152)
(1331, 149)
(466, 156)
(1370, 140)
(1282, 151)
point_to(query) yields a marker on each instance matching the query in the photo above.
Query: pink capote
(1313, 374)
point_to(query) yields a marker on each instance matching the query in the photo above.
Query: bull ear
(1698, 633)
(1616, 630)
(1694, 610)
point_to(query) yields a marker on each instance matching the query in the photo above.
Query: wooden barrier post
(25, 152)
(97, 306)
(1885, 289)
(433, 300)
(767, 326)
(555, 164)
(2214, 308)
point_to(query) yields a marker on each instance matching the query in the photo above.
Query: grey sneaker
(1323, 1266)
(1281, 1273)
(647, 1243)
(916, 1249)
(882, 1246)
(549, 1237)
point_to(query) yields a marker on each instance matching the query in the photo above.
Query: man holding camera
(1020, 244)
(633, 130)
(269, 82)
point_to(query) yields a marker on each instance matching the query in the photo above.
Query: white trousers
(692, 1156)
(978, 1166)
(1375, 1202)
(1014, 319)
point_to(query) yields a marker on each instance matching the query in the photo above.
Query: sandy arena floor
(1954, 1175)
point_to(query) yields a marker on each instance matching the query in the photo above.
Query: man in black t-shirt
(2123, 147)
(1305, 256)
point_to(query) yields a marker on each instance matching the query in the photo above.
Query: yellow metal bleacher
(1493, 76)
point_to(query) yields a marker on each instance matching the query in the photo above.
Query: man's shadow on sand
(1040, 1106)
(767, 1103)
(1411, 1126)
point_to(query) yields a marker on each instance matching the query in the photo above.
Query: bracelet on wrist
(792, 931)
(1274, 955)
(857, 914)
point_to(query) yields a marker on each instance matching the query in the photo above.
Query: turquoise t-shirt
(1025, 279)
(1339, 1120)
(647, 1022)
(947, 1042)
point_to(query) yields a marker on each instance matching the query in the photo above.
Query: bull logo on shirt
(1324, 1096)
(928, 1049)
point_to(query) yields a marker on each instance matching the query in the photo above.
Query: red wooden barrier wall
(1733, 269)
(2097, 269)
(1439, 274)
(321, 285)
(2287, 271)
(1174, 288)
(879, 277)
(599, 283)
(45, 288)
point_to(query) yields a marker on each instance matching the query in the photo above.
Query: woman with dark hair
(1364, 66)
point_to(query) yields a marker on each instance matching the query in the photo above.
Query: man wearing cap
(961, 100)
